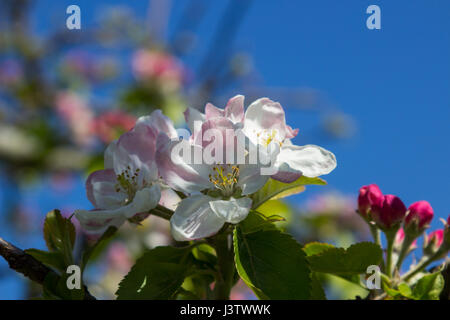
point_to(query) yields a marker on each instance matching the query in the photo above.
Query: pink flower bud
(368, 196)
(399, 237)
(419, 216)
(390, 213)
(433, 241)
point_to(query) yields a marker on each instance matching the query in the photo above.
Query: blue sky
(394, 82)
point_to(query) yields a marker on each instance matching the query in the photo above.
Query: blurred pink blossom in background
(158, 66)
(109, 125)
(74, 110)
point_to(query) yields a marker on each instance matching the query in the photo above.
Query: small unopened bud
(390, 214)
(398, 241)
(419, 216)
(433, 242)
(368, 196)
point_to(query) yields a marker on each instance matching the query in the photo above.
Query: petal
(144, 200)
(101, 189)
(136, 150)
(265, 115)
(191, 116)
(234, 109)
(169, 198)
(109, 155)
(194, 219)
(310, 160)
(211, 112)
(232, 210)
(159, 122)
(179, 173)
(291, 133)
(251, 179)
(97, 221)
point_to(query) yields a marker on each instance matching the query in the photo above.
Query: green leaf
(50, 259)
(59, 235)
(55, 288)
(109, 233)
(274, 189)
(272, 264)
(158, 274)
(317, 292)
(256, 221)
(339, 261)
(429, 287)
(405, 290)
(313, 248)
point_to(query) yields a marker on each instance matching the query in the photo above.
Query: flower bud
(399, 238)
(419, 216)
(390, 213)
(433, 242)
(368, 196)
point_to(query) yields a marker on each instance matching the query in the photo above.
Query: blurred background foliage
(64, 95)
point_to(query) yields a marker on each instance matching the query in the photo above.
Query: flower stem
(390, 235)
(375, 234)
(162, 212)
(226, 268)
(404, 250)
(421, 265)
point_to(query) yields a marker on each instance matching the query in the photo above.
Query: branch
(31, 268)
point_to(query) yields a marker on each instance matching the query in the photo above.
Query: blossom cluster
(402, 225)
(145, 169)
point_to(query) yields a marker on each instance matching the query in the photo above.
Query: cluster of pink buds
(402, 226)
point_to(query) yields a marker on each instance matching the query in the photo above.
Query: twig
(31, 268)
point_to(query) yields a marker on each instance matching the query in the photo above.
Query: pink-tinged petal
(194, 219)
(193, 117)
(265, 115)
(217, 128)
(97, 221)
(211, 112)
(232, 210)
(234, 109)
(109, 155)
(291, 133)
(309, 160)
(101, 189)
(136, 150)
(286, 176)
(159, 122)
(181, 174)
(169, 199)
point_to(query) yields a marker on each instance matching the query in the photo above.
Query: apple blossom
(129, 185)
(265, 125)
(225, 185)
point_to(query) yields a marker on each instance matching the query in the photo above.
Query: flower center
(225, 177)
(127, 182)
(267, 136)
